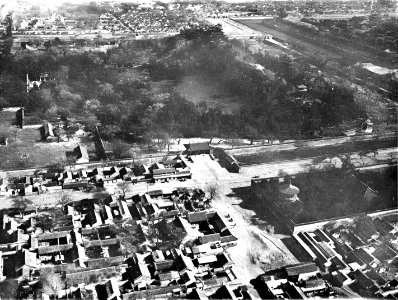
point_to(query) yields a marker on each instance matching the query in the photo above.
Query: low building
(48, 132)
(198, 148)
(81, 154)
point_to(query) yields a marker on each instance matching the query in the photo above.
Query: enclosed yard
(25, 147)
(335, 193)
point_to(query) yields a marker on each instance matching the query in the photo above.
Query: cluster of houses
(179, 248)
(109, 22)
(301, 281)
(54, 22)
(360, 258)
(157, 18)
(82, 179)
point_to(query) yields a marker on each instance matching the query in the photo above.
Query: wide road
(389, 138)
(297, 166)
(318, 143)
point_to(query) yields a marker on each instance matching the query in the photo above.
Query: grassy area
(198, 89)
(328, 151)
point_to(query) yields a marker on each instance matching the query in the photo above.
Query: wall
(311, 226)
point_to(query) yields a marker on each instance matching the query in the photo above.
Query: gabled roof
(361, 278)
(81, 152)
(52, 235)
(108, 242)
(226, 292)
(301, 269)
(30, 259)
(364, 256)
(163, 265)
(289, 189)
(197, 146)
(172, 275)
(198, 295)
(184, 262)
(314, 284)
(384, 252)
(54, 249)
(48, 130)
(194, 217)
(138, 270)
(206, 259)
(163, 171)
(215, 237)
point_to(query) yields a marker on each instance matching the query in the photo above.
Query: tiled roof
(301, 269)
(198, 146)
(196, 217)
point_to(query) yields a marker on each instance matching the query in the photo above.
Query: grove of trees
(108, 89)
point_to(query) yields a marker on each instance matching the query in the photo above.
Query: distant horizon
(7, 6)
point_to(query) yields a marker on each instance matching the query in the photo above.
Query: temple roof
(289, 189)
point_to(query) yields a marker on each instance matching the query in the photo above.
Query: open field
(26, 149)
(198, 89)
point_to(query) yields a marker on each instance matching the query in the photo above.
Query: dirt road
(256, 250)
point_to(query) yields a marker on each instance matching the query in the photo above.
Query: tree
(21, 204)
(347, 164)
(71, 130)
(9, 289)
(57, 167)
(52, 282)
(175, 237)
(153, 231)
(213, 191)
(122, 187)
(251, 133)
(65, 199)
(281, 13)
(121, 149)
(44, 222)
(134, 152)
(130, 236)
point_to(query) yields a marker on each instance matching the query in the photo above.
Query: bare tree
(65, 199)
(213, 191)
(122, 187)
(129, 235)
(153, 230)
(21, 204)
(52, 282)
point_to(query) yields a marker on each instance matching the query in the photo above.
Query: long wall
(311, 226)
